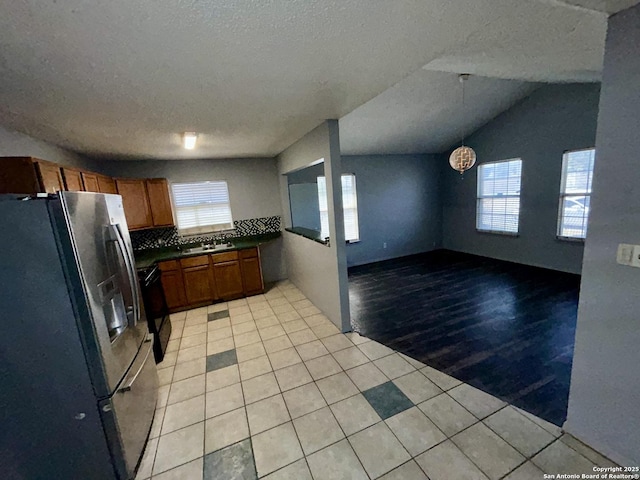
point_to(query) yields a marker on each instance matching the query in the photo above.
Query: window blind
(575, 193)
(349, 207)
(498, 205)
(202, 207)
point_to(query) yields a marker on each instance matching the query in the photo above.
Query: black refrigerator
(78, 384)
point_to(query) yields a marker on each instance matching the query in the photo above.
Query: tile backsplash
(169, 237)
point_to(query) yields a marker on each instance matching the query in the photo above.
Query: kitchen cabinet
(50, 176)
(29, 175)
(173, 284)
(159, 201)
(90, 181)
(198, 280)
(228, 275)
(135, 202)
(203, 279)
(250, 266)
(72, 180)
(106, 184)
(146, 202)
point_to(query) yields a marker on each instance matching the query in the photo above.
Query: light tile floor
(267, 387)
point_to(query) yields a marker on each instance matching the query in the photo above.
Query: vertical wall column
(319, 271)
(604, 399)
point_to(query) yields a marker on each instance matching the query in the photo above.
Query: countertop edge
(146, 258)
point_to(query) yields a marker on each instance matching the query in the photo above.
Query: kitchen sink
(207, 248)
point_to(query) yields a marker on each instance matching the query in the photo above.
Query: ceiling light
(462, 158)
(189, 140)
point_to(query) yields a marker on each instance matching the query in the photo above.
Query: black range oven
(155, 307)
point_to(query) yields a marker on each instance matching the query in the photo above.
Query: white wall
(604, 400)
(319, 271)
(16, 144)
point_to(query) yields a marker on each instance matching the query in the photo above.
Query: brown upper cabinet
(146, 202)
(72, 179)
(29, 175)
(159, 201)
(106, 184)
(90, 181)
(135, 202)
(50, 176)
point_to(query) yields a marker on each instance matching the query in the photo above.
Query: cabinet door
(106, 184)
(159, 201)
(228, 279)
(50, 177)
(252, 276)
(72, 180)
(135, 203)
(173, 287)
(198, 284)
(90, 182)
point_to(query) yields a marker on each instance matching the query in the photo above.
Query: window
(349, 207)
(575, 193)
(202, 207)
(498, 208)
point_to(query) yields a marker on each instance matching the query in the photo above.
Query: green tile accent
(387, 400)
(221, 360)
(234, 462)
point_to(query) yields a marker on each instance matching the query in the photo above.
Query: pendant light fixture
(463, 157)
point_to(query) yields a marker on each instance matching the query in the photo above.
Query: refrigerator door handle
(129, 382)
(131, 273)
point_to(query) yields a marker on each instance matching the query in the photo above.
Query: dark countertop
(146, 258)
(308, 233)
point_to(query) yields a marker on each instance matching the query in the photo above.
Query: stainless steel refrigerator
(78, 384)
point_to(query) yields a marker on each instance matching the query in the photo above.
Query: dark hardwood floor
(505, 328)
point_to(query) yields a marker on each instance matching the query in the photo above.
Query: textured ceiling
(123, 79)
(423, 113)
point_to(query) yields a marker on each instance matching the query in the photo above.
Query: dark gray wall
(604, 400)
(398, 204)
(539, 129)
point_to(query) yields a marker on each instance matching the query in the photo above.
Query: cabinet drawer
(225, 257)
(249, 253)
(168, 265)
(194, 261)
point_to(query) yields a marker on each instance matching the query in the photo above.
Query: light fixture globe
(462, 158)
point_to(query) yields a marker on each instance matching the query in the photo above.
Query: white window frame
(324, 212)
(218, 197)
(484, 196)
(562, 235)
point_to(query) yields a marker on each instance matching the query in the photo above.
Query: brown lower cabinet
(201, 280)
(253, 283)
(173, 285)
(198, 280)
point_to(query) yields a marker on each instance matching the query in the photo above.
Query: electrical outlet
(635, 258)
(625, 254)
(384, 245)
